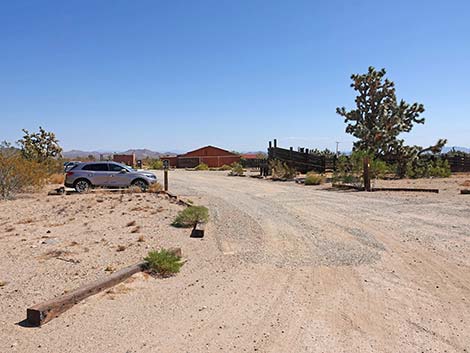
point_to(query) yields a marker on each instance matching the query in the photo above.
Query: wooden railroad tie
(41, 313)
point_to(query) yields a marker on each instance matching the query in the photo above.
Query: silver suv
(85, 175)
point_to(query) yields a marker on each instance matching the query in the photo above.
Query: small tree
(40, 146)
(379, 119)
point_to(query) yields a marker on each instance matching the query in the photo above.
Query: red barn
(214, 157)
(128, 159)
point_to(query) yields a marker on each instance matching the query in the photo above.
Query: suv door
(97, 173)
(117, 177)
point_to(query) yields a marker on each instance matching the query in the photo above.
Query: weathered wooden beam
(407, 189)
(198, 230)
(346, 186)
(41, 313)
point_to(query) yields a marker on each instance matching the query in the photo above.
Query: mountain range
(140, 153)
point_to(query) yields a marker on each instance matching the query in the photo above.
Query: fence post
(165, 179)
(366, 173)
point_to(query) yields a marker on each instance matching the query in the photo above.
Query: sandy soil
(282, 268)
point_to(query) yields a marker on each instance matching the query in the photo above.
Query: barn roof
(224, 152)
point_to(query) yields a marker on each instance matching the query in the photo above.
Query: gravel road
(289, 268)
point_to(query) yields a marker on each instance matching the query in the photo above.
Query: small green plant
(163, 262)
(190, 216)
(314, 179)
(202, 166)
(236, 170)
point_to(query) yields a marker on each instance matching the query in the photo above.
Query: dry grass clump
(56, 178)
(121, 248)
(18, 174)
(281, 170)
(236, 170)
(141, 239)
(202, 166)
(314, 179)
(155, 188)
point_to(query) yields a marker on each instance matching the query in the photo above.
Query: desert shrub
(314, 179)
(350, 169)
(56, 178)
(236, 169)
(225, 167)
(155, 188)
(163, 262)
(202, 166)
(438, 168)
(190, 216)
(155, 164)
(280, 170)
(19, 174)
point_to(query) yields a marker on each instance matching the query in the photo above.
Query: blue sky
(175, 75)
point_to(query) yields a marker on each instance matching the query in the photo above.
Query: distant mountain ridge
(457, 148)
(140, 153)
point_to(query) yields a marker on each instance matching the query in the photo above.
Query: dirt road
(289, 268)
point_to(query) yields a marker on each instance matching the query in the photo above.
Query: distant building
(128, 159)
(250, 156)
(214, 157)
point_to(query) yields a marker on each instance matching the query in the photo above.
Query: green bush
(190, 216)
(314, 179)
(350, 169)
(202, 166)
(236, 169)
(425, 169)
(163, 262)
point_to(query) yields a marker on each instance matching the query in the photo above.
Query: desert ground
(283, 267)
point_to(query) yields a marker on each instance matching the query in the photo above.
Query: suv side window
(98, 167)
(115, 167)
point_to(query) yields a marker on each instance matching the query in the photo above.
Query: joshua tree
(379, 119)
(39, 146)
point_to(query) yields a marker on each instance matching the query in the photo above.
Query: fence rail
(458, 163)
(303, 161)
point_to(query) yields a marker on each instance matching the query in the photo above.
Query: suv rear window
(97, 167)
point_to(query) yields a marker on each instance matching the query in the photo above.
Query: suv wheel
(140, 184)
(82, 186)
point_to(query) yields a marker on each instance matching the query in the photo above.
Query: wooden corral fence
(458, 163)
(303, 160)
(253, 163)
